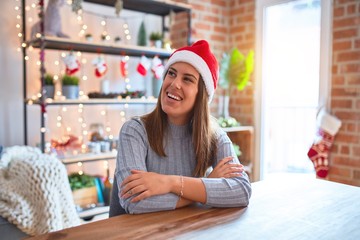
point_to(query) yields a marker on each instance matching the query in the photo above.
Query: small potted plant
(49, 85)
(117, 39)
(70, 86)
(156, 39)
(104, 37)
(83, 189)
(235, 71)
(89, 37)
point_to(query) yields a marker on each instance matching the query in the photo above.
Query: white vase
(49, 91)
(70, 91)
(156, 86)
(158, 44)
(105, 86)
(223, 109)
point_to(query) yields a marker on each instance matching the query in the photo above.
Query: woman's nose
(176, 83)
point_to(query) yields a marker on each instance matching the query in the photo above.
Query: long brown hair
(203, 136)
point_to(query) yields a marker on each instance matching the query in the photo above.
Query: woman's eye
(188, 80)
(171, 73)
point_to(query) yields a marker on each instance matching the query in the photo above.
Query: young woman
(163, 156)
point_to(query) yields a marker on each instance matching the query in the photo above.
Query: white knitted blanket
(35, 194)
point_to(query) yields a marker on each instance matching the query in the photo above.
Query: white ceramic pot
(70, 92)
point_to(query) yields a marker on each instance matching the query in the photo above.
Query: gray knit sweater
(134, 152)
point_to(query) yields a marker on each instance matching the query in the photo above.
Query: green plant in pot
(89, 37)
(70, 86)
(83, 188)
(235, 71)
(49, 85)
(156, 39)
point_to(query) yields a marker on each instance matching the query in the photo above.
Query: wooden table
(287, 209)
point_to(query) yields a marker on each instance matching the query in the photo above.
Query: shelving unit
(55, 43)
(88, 157)
(97, 101)
(44, 43)
(244, 137)
(156, 7)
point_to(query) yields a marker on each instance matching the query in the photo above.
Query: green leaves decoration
(235, 69)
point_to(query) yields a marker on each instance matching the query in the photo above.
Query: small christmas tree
(142, 35)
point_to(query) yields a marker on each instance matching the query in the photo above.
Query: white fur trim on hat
(198, 63)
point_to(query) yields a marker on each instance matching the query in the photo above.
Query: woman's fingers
(135, 174)
(130, 185)
(233, 170)
(128, 191)
(225, 160)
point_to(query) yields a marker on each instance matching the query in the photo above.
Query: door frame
(324, 74)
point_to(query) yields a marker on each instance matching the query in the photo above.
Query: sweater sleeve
(132, 153)
(227, 192)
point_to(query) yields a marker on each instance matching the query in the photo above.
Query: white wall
(11, 115)
(11, 108)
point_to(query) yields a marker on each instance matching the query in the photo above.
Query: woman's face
(178, 92)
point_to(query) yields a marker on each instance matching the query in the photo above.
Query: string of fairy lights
(31, 8)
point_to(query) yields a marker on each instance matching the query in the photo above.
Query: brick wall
(226, 24)
(345, 92)
(242, 36)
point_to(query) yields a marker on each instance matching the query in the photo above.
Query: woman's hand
(144, 184)
(226, 169)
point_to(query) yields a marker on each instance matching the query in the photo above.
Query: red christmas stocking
(318, 153)
(124, 67)
(71, 63)
(157, 67)
(100, 66)
(143, 66)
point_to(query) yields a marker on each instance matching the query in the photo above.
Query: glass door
(289, 46)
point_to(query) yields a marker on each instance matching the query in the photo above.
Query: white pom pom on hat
(202, 59)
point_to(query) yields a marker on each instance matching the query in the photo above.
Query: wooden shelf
(66, 44)
(156, 7)
(244, 137)
(96, 101)
(88, 157)
(239, 129)
(89, 213)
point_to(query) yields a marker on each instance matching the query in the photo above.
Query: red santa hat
(202, 59)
